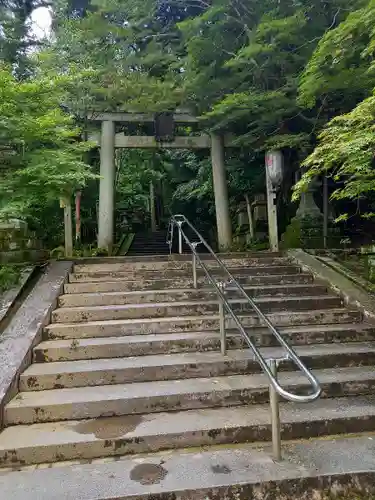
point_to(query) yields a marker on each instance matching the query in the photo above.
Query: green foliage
(266, 108)
(241, 65)
(249, 83)
(125, 244)
(118, 40)
(40, 152)
(342, 60)
(339, 79)
(9, 277)
(346, 152)
(200, 185)
(90, 251)
(79, 251)
(238, 64)
(253, 246)
(16, 36)
(303, 232)
(273, 74)
(57, 253)
(136, 169)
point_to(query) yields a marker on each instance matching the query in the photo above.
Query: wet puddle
(109, 428)
(146, 474)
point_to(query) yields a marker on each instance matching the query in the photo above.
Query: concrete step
(147, 274)
(314, 469)
(143, 249)
(178, 295)
(328, 468)
(130, 434)
(190, 308)
(115, 328)
(151, 397)
(173, 263)
(139, 345)
(110, 285)
(59, 375)
(156, 259)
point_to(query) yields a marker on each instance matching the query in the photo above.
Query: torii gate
(109, 140)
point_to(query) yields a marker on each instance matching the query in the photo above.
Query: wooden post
(274, 163)
(325, 211)
(250, 217)
(68, 226)
(272, 216)
(152, 207)
(78, 216)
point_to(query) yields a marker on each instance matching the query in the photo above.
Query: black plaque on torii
(164, 127)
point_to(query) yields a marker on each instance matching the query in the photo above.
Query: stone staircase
(149, 243)
(131, 364)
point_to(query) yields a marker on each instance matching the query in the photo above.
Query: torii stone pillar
(224, 226)
(107, 185)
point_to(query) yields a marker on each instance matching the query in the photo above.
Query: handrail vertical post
(170, 237)
(223, 333)
(223, 339)
(275, 413)
(179, 237)
(195, 280)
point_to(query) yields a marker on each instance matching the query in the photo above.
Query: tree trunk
(250, 217)
(68, 226)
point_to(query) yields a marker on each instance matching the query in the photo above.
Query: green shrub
(79, 251)
(9, 277)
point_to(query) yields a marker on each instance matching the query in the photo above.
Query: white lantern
(274, 167)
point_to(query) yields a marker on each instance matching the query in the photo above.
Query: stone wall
(18, 244)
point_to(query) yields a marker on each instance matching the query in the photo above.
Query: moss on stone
(307, 232)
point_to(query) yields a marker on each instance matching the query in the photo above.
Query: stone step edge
(88, 439)
(180, 342)
(167, 360)
(208, 290)
(71, 288)
(186, 272)
(231, 261)
(237, 472)
(177, 319)
(175, 257)
(186, 264)
(194, 303)
(143, 393)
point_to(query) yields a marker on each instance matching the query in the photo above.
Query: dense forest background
(295, 75)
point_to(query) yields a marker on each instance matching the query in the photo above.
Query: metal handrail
(269, 366)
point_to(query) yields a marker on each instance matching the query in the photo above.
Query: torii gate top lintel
(179, 116)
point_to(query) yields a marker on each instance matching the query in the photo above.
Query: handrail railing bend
(269, 366)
